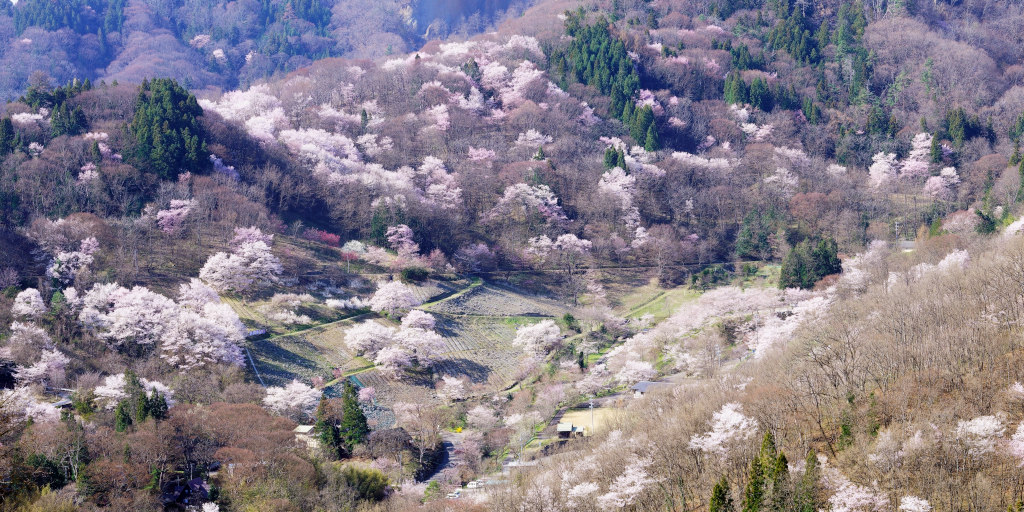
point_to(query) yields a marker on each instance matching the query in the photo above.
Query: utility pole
(591, 416)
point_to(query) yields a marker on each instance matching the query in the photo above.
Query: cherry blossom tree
(49, 369)
(521, 201)
(979, 435)
(204, 337)
(482, 417)
(850, 497)
(66, 265)
(21, 402)
(171, 219)
(475, 257)
(263, 267)
(618, 185)
(533, 139)
(538, 339)
(392, 297)
(250, 235)
(369, 337)
(28, 304)
(568, 253)
(424, 346)
(195, 294)
(400, 238)
(729, 425)
(367, 395)
(295, 400)
(628, 486)
(943, 185)
(883, 169)
(452, 389)
(392, 361)
(252, 264)
(226, 272)
(128, 318)
(282, 308)
(417, 319)
(596, 379)
(113, 391)
(480, 154)
(917, 162)
(914, 504)
(635, 371)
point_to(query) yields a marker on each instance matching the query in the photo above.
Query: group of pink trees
(415, 343)
(197, 331)
(251, 264)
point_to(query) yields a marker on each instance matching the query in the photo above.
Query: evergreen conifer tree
(354, 428)
(122, 418)
(721, 497)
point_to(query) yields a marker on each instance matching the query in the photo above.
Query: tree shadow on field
(277, 364)
(463, 367)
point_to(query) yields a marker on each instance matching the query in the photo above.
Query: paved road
(451, 459)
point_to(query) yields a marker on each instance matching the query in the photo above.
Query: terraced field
(492, 300)
(305, 354)
(478, 323)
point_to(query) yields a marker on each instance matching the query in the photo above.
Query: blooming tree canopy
(295, 400)
(727, 426)
(418, 319)
(635, 371)
(252, 264)
(369, 337)
(28, 304)
(392, 297)
(539, 338)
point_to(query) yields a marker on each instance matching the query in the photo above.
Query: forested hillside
(215, 43)
(341, 255)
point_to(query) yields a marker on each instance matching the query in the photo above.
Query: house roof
(564, 427)
(303, 429)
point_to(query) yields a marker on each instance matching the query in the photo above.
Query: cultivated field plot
(478, 349)
(478, 325)
(492, 300)
(604, 418)
(305, 354)
(430, 290)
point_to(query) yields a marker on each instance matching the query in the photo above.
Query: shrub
(414, 274)
(369, 484)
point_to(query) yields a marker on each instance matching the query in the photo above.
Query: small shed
(642, 388)
(305, 434)
(568, 431)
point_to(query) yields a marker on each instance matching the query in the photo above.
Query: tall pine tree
(354, 428)
(721, 497)
(7, 136)
(327, 431)
(168, 137)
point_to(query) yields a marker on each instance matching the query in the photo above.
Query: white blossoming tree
(28, 304)
(294, 400)
(538, 339)
(392, 297)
